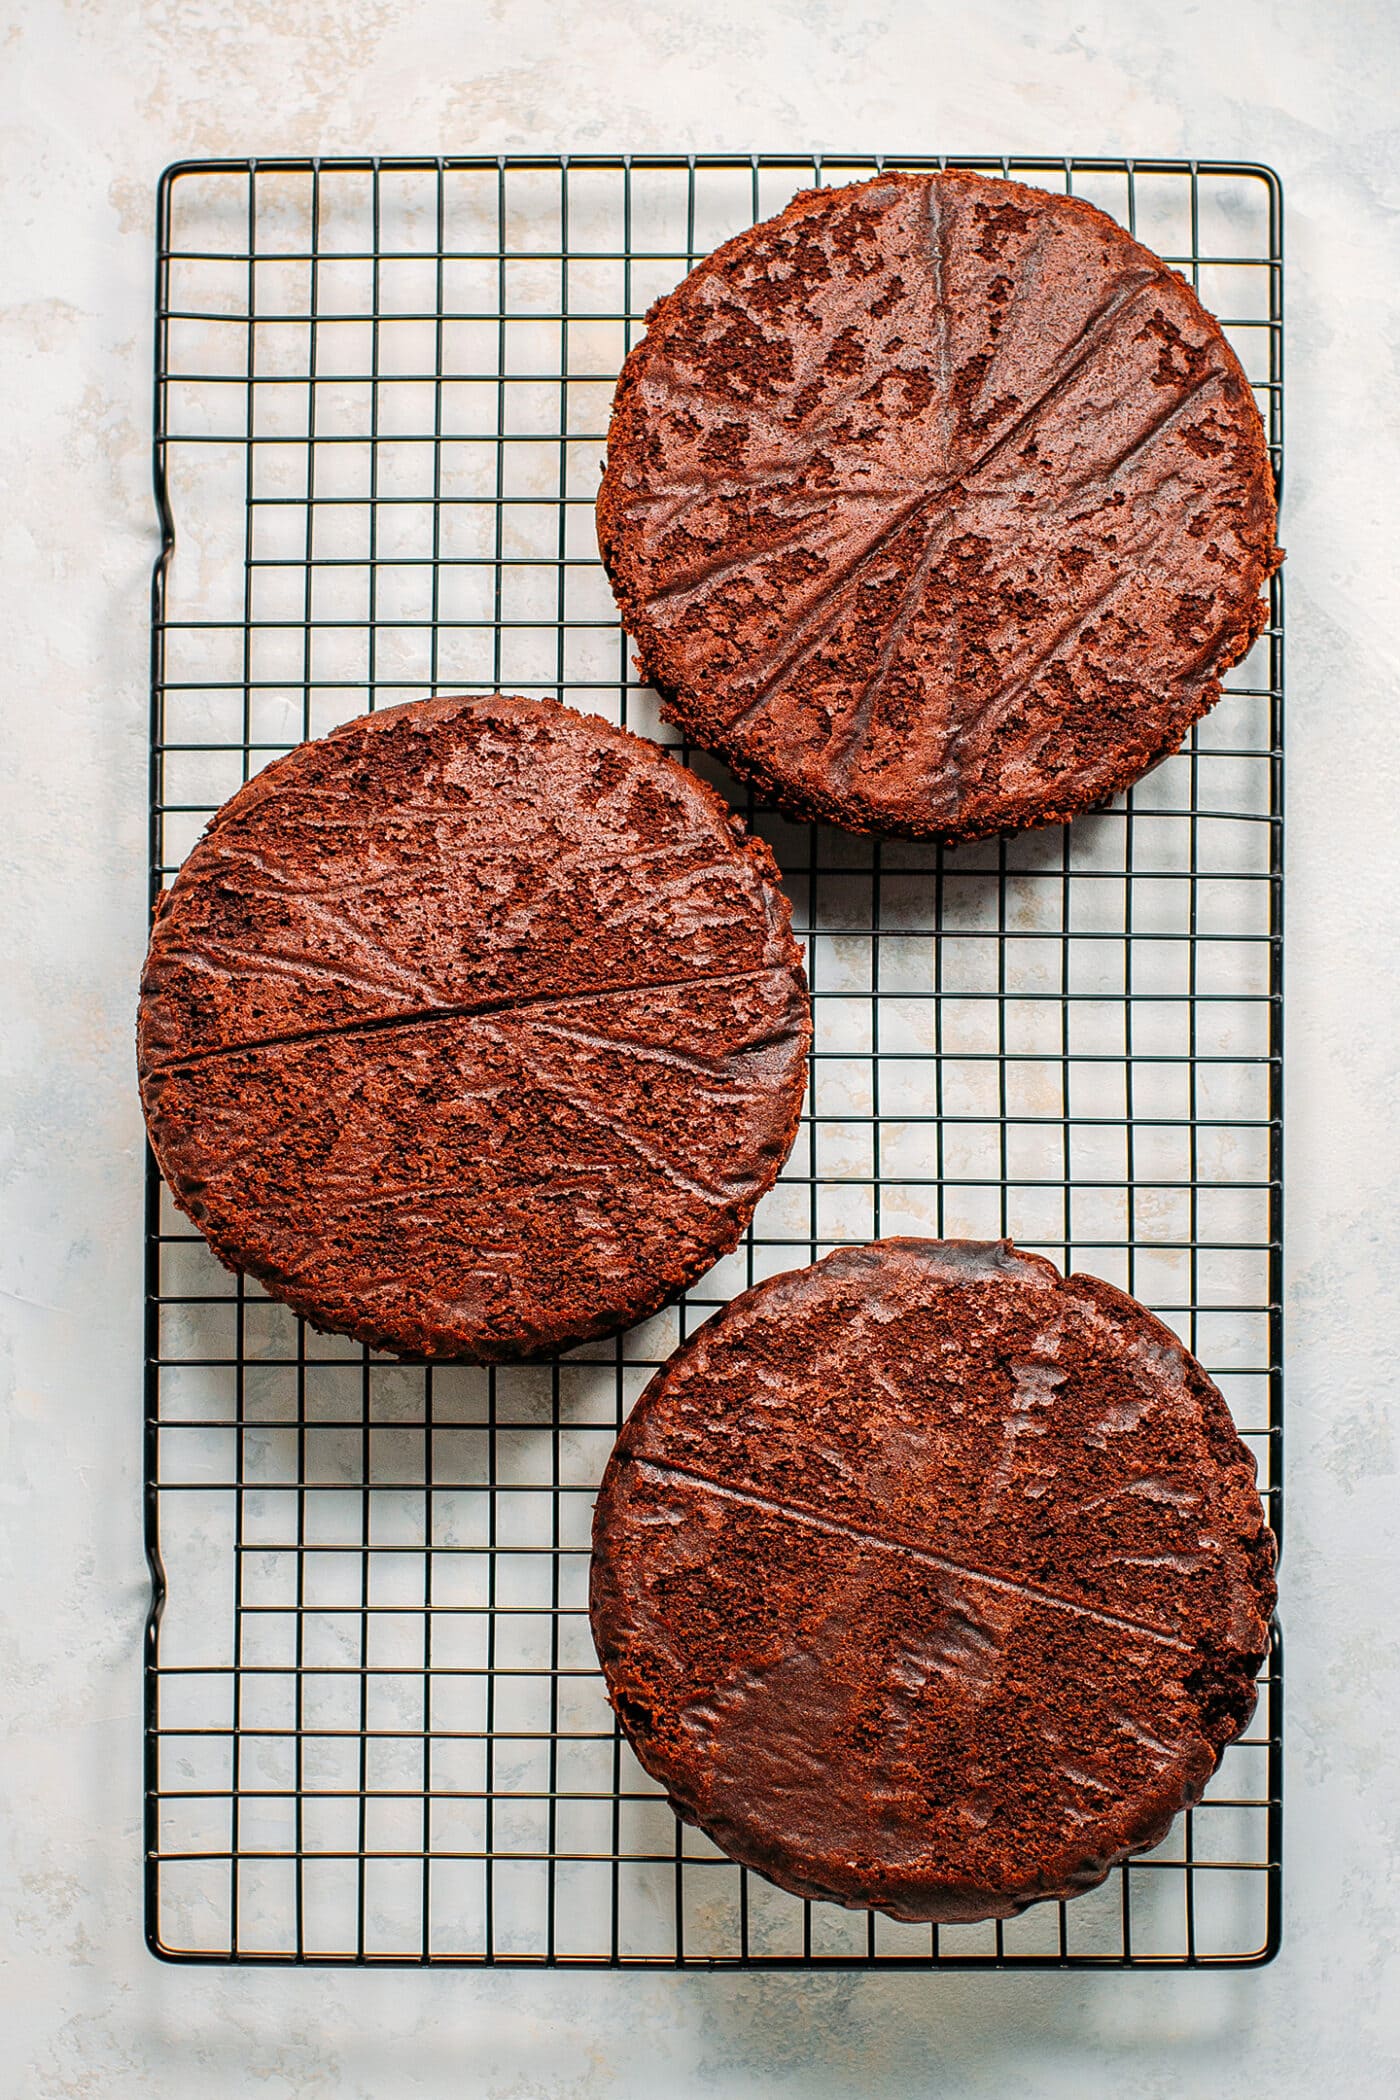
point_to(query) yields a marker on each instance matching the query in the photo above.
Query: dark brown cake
(931, 1580)
(474, 1029)
(937, 505)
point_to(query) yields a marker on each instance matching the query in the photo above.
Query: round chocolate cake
(474, 1029)
(937, 505)
(931, 1580)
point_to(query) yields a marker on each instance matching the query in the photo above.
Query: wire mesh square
(375, 1729)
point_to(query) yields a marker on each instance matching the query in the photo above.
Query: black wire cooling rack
(375, 1731)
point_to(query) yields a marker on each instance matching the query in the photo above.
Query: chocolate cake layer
(474, 1029)
(937, 505)
(930, 1580)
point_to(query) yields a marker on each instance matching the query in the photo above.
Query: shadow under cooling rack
(375, 1726)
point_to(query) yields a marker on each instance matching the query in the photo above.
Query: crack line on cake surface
(1029, 266)
(846, 748)
(370, 952)
(234, 963)
(813, 433)
(995, 704)
(689, 394)
(1098, 331)
(590, 1108)
(286, 881)
(769, 477)
(378, 1024)
(1011, 689)
(1213, 377)
(720, 568)
(838, 1527)
(938, 266)
(666, 377)
(826, 614)
(718, 1070)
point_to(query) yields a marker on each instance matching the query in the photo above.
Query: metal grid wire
(375, 1728)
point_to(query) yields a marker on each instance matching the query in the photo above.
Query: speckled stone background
(99, 94)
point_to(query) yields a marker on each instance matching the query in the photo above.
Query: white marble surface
(99, 96)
